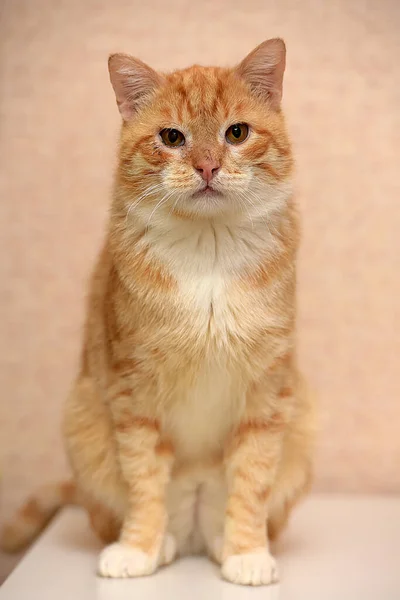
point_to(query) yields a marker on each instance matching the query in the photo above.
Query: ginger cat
(189, 428)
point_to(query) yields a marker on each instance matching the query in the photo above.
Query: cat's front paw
(119, 560)
(253, 568)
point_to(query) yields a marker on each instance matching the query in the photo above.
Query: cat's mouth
(207, 192)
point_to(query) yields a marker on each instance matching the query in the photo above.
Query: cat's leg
(145, 461)
(252, 460)
(145, 464)
(292, 482)
(108, 528)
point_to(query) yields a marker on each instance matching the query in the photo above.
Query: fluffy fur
(189, 428)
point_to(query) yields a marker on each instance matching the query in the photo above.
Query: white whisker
(163, 200)
(148, 192)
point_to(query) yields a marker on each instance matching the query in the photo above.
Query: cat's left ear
(133, 82)
(263, 70)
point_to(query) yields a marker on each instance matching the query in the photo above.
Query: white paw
(253, 568)
(168, 550)
(120, 560)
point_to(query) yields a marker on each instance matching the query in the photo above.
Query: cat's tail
(33, 516)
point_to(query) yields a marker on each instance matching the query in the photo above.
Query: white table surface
(336, 548)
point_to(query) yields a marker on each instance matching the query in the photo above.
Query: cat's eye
(172, 137)
(237, 133)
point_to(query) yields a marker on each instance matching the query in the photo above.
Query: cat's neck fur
(194, 247)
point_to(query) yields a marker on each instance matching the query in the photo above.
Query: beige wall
(58, 139)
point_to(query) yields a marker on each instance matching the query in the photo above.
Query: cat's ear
(133, 82)
(263, 70)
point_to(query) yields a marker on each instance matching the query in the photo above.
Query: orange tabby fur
(189, 428)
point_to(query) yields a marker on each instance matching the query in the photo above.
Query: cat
(189, 428)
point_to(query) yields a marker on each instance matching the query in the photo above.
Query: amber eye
(237, 133)
(172, 137)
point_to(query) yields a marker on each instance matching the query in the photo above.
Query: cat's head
(203, 141)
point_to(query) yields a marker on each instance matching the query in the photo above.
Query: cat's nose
(207, 169)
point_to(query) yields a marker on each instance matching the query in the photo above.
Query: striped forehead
(197, 93)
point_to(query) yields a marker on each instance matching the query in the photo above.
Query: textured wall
(58, 138)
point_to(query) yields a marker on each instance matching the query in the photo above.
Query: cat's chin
(206, 193)
(207, 204)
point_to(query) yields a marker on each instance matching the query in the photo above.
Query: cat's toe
(252, 568)
(120, 560)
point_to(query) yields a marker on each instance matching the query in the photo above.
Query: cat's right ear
(263, 70)
(133, 82)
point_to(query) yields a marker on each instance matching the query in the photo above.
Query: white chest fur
(204, 411)
(206, 263)
(208, 260)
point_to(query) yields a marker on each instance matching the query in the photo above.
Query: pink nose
(207, 169)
